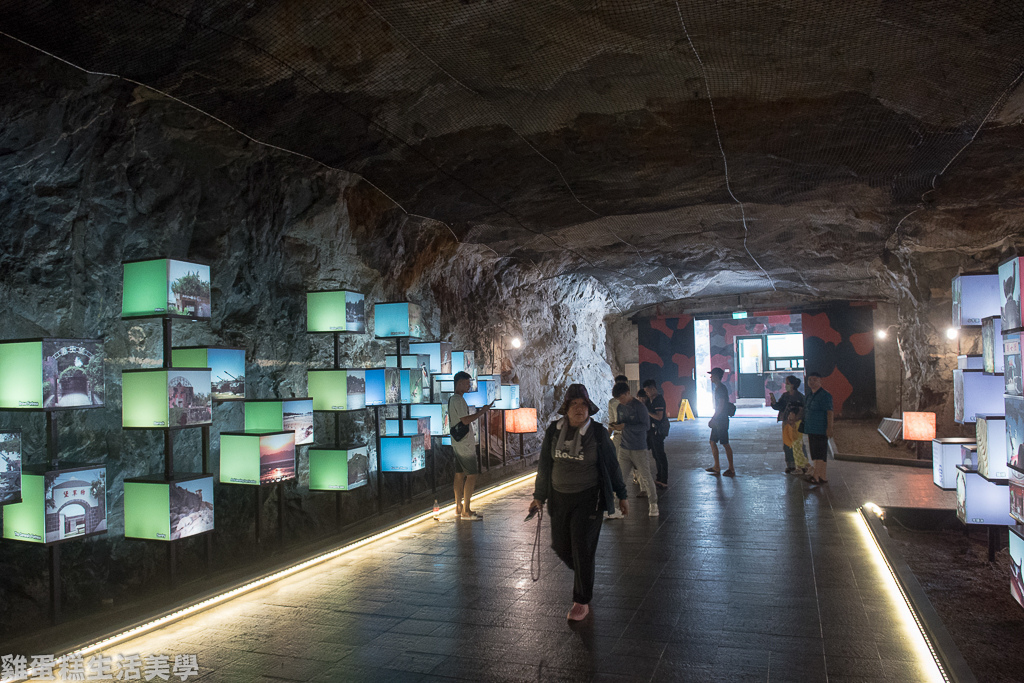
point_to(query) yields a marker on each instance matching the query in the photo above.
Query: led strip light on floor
(915, 630)
(276, 576)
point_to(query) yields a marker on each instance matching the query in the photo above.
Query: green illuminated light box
(281, 414)
(255, 458)
(159, 509)
(337, 390)
(335, 311)
(51, 374)
(339, 469)
(400, 319)
(227, 368)
(165, 398)
(166, 288)
(58, 505)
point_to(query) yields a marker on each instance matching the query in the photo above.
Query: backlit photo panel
(992, 345)
(1009, 294)
(335, 311)
(51, 374)
(298, 417)
(1014, 406)
(1012, 364)
(401, 319)
(10, 467)
(975, 297)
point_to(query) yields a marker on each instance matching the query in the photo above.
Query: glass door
(750, 361)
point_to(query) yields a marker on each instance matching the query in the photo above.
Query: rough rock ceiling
(686, 147)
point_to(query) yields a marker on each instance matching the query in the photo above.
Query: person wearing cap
(719, 423)
(577, 476)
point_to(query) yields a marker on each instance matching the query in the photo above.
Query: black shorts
(819, 446)
(720, 435)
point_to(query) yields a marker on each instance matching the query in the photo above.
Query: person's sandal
(729, 473)
(712, 470)
(472, 516)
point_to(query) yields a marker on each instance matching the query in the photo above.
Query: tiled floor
(758, 578)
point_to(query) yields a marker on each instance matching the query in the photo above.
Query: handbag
(459, 431)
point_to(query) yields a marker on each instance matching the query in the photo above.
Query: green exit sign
(739, 314)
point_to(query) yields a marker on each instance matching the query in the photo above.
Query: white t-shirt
(457, 409)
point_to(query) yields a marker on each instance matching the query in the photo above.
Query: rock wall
(97, 171)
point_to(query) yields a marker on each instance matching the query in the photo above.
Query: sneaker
(653, 512)
(616, 515)
(578, 612)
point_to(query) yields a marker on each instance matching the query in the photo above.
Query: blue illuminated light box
(1012, 364)
(415, 377)
(409, 427)
(335, 311)
(464, 361)
(401, 319)
(436, 412)
(339, 469)
(337, 390)
(946, 456)
(991, 345)
(383, 386)
(440, 355)
(1009, 294)
(509, 398)
(975, 393)
(975, 296)
(488, 390)
(991, 431)
(979, 501)
(402, 453)
(1016, 558)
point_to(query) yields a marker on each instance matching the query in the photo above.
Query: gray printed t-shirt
(457, 409)
(570, 475)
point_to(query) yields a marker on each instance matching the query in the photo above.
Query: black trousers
(575, 527)
(660, 459)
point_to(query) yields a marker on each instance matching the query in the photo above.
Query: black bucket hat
(577, 391)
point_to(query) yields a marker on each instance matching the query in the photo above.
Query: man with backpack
(658, 431)
(719, 423)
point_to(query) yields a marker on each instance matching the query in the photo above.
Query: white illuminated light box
(946, 456)
(991, 345)
(969, 457)
(1014, 431)
(1017, 495)
(973, 361)
(979, 501)
(1016, 558)
(509, 398)
(976, 393)
(975, 296)
(440, 355)
(1009, 294)
(399, 319)
(438, 414)
(1012, 364)
(991, 431)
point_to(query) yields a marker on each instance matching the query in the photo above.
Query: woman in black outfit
(576, 475)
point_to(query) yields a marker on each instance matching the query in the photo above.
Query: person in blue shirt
(818, 423)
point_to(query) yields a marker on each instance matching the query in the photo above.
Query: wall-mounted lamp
(951, 333)
(516, 342)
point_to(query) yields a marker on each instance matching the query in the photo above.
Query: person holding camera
(577, 475)
(467, 467)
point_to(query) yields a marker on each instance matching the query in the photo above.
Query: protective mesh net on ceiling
(643, 143)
